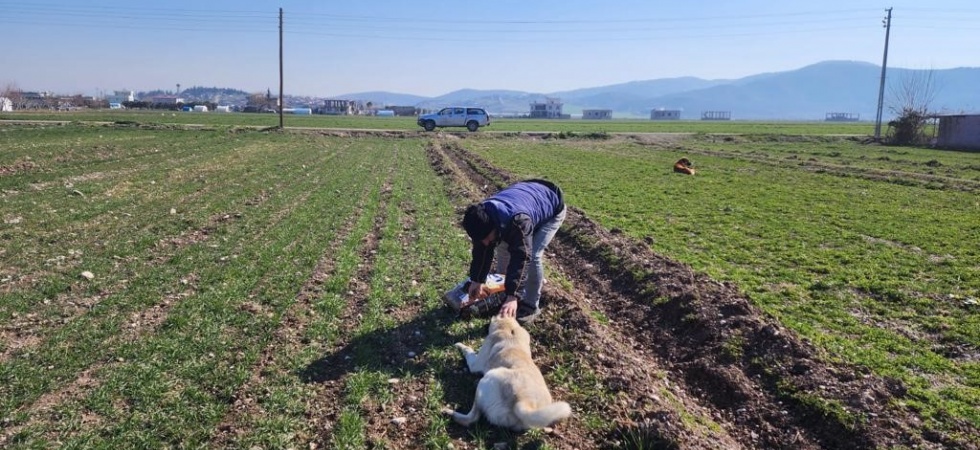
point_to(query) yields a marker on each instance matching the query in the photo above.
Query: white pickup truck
(455, 116)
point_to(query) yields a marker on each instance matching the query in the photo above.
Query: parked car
(455, 116)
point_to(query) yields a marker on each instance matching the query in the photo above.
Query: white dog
(512, 392)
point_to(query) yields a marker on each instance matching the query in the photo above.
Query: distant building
(665, 114)
(959, 132)
(33, 100)
(336, 107)
(165, 100)
(121, 97)
(597, 114)
(842, 117)
(6, 104)
(407, 111)
(716, 115)
(548, 109)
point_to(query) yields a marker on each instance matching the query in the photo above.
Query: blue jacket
(517, 212)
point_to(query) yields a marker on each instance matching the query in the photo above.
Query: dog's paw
(448, 411)
(463, 347)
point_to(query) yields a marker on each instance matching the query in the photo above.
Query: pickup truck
(455, 116)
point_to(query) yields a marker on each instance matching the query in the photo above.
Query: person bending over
(514, 225)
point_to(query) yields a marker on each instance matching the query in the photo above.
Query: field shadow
(398, 349)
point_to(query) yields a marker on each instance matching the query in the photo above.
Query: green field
(217, 286)
(497, 125)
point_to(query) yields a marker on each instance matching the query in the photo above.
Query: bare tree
(912, 98)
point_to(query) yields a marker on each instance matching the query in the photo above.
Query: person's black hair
(477, 222)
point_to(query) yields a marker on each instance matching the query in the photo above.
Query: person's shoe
(527, 314)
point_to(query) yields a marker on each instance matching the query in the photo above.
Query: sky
(433, 47)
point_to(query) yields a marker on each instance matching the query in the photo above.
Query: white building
(597, 114)
(6, 105)
(549, 109)
(665, 114)
(959, 131)
(165, 99)
(121, 96)
(337, 107)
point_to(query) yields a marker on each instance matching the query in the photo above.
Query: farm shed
(665, 114)
(842, 117)
(716, 115)
(959, 132)
(597, 114)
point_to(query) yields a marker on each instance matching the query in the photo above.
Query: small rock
(411, 354)
(399, 420)
(173, 210)
(88, 275)
(394, 381)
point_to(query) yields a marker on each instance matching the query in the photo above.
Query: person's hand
(509, 308)
(477, 290)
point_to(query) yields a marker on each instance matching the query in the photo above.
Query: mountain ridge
(807, 93)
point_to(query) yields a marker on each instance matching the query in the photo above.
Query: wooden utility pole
(281, 99)
(887, 22)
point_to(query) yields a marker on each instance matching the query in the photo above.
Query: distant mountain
(623, 97)
(807, 93)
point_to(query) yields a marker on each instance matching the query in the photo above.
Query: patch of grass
(824, 407)
(734, 348)
(349, 431)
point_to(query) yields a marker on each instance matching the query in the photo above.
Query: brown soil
(692, 363)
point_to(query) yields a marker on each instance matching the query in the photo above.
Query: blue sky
(434, 47)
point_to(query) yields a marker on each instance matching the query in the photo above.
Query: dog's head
(504, 324)
(686, 162)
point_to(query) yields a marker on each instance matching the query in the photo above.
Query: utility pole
(281, 99)
(887, 22)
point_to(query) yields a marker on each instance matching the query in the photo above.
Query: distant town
(230, 100)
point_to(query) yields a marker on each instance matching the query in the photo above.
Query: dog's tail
(542, 417)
